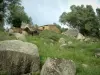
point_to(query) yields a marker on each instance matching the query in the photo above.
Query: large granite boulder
(71, 32)
(17, 57)
(58, 67)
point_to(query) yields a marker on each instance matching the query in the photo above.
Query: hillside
(82, 53)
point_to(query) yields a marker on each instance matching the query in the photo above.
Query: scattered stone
(20, 36)
(58, 67)
(62, 41)
(63, 46)
(24, 33)
(10, 32)
(70, 42)
(51, 40)
(85, 65)
(80, 36)
(17, 57)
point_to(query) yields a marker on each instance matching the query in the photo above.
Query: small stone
(62, 41)
(85, 65)
(69, 42)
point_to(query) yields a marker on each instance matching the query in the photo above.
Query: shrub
(50, 35)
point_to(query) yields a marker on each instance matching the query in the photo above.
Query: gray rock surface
(20, 36)
(71, 32)
(58, 67)
(80, 36)
(24, 33)
(17, 57)
(62, 41)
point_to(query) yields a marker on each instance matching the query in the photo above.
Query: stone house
(49, 27)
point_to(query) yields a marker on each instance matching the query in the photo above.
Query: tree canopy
(15, 13)
(1, 13)
(82, 18)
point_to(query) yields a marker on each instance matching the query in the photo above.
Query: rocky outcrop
(58, 67)
(24, 33)
(71, 32)
(17, 57)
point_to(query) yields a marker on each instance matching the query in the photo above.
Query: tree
(98, 18)
(15, 13)
(98, 14)
(59, 27)
(82, 18)
(1, 13)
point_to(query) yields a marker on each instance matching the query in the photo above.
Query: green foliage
(17, 14)
(50, 35)
(16, 22)
(83, 18)
(36, 26)
(5, 36)
(79, 52)
(59, 27)
(1, 13)
(64, 29)
(3, 73)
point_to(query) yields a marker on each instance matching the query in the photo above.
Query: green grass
(79, 52)
(5, 36)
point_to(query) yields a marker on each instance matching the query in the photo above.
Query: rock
(97, 52)
(51, 44)
(58, 67)
(97, 55)
(17, 57)
(10, 32)
(63, 46)
(80, 36)
(70, 42)
(20, 36)
(62, 41)
(87, 39)
(84, 65)
(24, 33)
(71, 32)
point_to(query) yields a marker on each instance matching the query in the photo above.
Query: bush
(50, 35)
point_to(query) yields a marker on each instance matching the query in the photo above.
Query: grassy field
(80, 52)
(5, 36)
